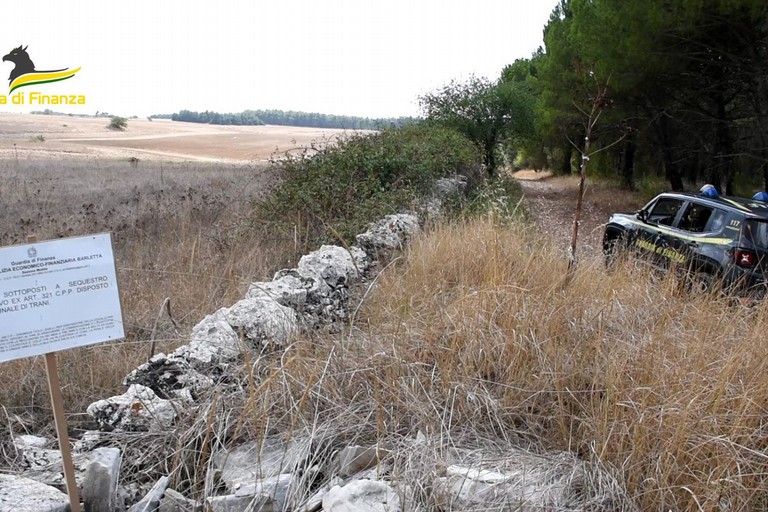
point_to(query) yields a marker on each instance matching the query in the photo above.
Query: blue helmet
(761, 196)
(709, 191)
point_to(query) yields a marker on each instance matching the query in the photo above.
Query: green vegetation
(681, 87)
(686, 88)
(486, 112)
(333, 191)
(287, 118)
(118, 123)
(315, 120)
(246, 118)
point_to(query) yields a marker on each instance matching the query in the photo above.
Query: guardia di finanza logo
(25, 74)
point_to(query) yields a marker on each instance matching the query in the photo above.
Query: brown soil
(54, 136)
(551, 203)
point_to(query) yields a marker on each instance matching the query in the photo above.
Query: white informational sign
(57, 295)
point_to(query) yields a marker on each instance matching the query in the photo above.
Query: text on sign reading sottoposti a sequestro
(40, 296)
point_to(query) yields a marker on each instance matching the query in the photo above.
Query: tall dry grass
(473, 339)
(667, 388)
(180, 231)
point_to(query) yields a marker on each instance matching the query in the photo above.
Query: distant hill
(287, 118)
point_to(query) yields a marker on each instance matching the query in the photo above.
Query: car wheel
(612, 251)
(700, 281)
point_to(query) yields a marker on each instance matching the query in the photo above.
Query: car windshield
(757, 232)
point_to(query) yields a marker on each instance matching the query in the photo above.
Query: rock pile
(306, 474)
(312, 296)
(309, 472)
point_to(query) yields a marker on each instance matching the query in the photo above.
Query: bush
(333, 191)
(118, 123)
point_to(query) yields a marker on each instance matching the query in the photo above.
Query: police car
(708, 236)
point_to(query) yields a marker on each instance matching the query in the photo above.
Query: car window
(695, 217)
(718, 221)
(664, 211)
(757, 232)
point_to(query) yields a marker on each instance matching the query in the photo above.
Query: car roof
(748, 207)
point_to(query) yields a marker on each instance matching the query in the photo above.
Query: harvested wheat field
(178, 200)
(54, 136)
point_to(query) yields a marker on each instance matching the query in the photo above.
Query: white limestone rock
(232, 503)
(137, 409)
(287, 290)
(88, 441)
(391, 233)
(449, 187)
(528, 481)
(277, 487)
(173, 501)
(213, 346)
(315, 502)
(362, 496)
(99, 485)
(44, 465)
(27, 441)
(40, 459)
(337, 266)
(151, 501)
(323, 305)
(263, 321)
(354, 459)
(19, 494)
(256, 461)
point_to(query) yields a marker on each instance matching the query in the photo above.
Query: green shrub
(333, 191)
(498, 198)
(118, 123)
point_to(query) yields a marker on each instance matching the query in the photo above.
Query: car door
(655, 238)
(696, 225)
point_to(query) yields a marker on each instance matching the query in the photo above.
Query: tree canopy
(485, 112)
(688, 84)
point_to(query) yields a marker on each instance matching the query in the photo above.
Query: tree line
(287, 118)
(682, 88)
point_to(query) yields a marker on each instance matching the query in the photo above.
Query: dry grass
(470, 338)
(161, 139)
(474, 341)
(180, 231)
(668, 389)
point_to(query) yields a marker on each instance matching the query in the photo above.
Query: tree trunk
(628, 164)
(579, 199)
(724, 147)
(671, 169)
(567, 154)
(490, 158)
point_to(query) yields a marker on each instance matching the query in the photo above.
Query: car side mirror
(642, 215)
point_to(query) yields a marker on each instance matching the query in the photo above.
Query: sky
(345, 57)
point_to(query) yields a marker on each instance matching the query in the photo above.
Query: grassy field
(471, 337)
(182, 230)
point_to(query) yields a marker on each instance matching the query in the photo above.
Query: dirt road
(551, 203)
